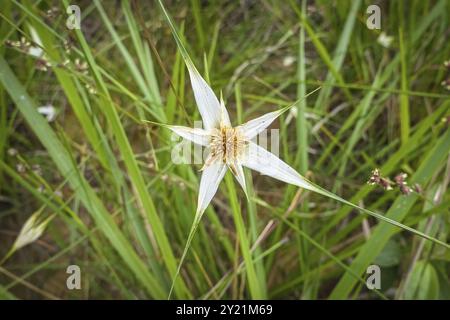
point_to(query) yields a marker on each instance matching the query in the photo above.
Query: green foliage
(119, 207)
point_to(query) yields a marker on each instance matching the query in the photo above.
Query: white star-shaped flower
(231, 147)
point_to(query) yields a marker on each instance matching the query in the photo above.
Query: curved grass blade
(398, 210)
(84, 192)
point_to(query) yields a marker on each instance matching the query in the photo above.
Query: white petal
(49, 111)
(261, 160)
(35, 52)
(209, 183)
(251, 128)
(196, 135)
(238, 172)
(207, 103)
(224, 117)
(31, 231)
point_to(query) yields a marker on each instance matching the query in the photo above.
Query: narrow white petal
(224, 117)
(238, 172)
(196, 135)
(253, 127)
(261, 160)
(212, 175)
(207, 102)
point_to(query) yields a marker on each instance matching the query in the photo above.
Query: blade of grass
(145, 90)
(251, 205)
(387, 73)
(389, 165)
(357, 131)
(83, 190)
(68, 83)
(143, 53)
(321, 50)
(196, 12)
(255, 290)
(398, 211)
(302, 128)
(133, 170)
(339, 56)
(404, 99)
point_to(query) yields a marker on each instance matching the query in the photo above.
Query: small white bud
(31, 231)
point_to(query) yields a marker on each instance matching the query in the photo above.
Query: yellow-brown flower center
(226, 144)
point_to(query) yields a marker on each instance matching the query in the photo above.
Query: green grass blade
(404, 99)
(84, 191)
(255, 291)
(398, 211)
(133, 170)
(339, 56)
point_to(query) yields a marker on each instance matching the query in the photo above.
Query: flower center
(226, 144)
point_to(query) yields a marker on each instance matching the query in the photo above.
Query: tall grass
(122, 210)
